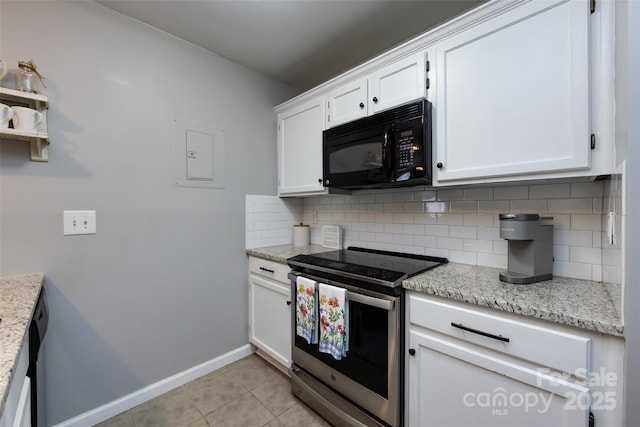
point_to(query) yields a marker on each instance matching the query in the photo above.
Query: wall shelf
(39, 139)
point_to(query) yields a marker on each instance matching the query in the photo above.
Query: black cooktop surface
(369, 263)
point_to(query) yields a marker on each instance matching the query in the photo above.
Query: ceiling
(297, 42)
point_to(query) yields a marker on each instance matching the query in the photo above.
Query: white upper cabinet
(347, 103)
(392, 85)
(399, 82)
(512, 95)
(300, 148)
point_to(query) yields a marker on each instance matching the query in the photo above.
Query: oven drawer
(547, 347)
(271, 269)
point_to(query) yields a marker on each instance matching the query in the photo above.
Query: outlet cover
(79, 222)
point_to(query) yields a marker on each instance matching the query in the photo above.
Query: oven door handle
(388, 305)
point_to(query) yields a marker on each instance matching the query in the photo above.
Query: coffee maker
(530, 252)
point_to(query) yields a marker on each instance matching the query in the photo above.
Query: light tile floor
(246, 393)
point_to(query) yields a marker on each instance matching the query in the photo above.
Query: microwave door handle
(387, 152)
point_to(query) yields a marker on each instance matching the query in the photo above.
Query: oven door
(370, 375)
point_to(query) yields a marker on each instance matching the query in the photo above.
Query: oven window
(356, 158)
(367, 360)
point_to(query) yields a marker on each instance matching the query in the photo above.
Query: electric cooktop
(383, 266)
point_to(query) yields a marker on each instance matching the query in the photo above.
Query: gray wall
(632, 287)
(162, 286)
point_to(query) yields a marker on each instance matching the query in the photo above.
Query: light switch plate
(79, 222)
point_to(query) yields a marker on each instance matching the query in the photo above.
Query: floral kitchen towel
(333, 321)
(306, 308)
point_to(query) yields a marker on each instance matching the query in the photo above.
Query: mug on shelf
(26, 119)
(6, 113)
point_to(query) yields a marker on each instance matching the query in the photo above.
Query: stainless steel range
(364, 388)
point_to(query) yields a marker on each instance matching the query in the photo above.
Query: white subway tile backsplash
(550, 191)
(478, 220)
(384, 237)
(414, 229)
(464, 206)
(449, 243)
(436, 230)
(426, 218)
(492, 260)
(403, 239)
(424, 196)
(493, 206)
(485, 246)
(489, 233)
(596, 273)
(571, 206)
(403, 197)
(585, 255)
(375, 227)
(403, 218)
(393, 228)
(392, 207)
(561, 253)
(436, 207)
(511, 193)
(573, 238)
(528, 206)
(463, 232)
(500, 247)
(483, 193)
(586, 222)
(572, 269)
(587, 189)
(463, 257)
(459, 223)
(413, 207)
(384, 217)
(450, 219)
(560, 221)
(448, 195)
(426, 241)
(384, 197)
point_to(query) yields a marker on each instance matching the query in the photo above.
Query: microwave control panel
(406, 150)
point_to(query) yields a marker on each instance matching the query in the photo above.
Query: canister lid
(519, 217)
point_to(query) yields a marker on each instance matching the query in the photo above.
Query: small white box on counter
(332, 236)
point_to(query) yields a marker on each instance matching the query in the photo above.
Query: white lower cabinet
(17, 408)
(270, 310)
(469, 366)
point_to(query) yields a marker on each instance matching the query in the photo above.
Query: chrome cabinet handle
(475, 331)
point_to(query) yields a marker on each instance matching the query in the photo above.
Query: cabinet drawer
(544, 346)
(271, 269)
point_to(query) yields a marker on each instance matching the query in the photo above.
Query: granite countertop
(18, 296)
(282, 252)
(580, 303)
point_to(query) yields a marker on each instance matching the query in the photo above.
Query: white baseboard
(149, 392)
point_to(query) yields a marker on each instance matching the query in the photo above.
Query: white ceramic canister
(301, 235)
(26, 119)
(6, 113)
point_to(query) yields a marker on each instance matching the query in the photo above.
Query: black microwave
(389, 149)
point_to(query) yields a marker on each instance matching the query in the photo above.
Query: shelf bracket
(39, 150)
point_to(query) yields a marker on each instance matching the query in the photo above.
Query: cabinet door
(347, 103)
(397, 83)
(270, 318)
(300, 149)
(513, 94)
(453, 385)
